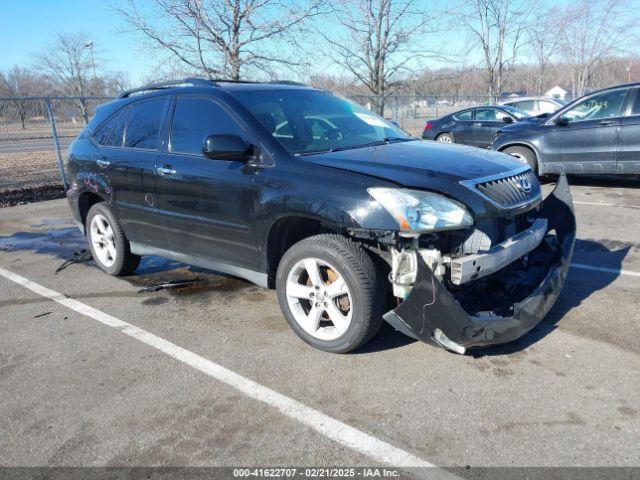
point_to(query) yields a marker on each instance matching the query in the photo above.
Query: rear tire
(445, 138)
(525, 155)
(108, 244)
(310, 305)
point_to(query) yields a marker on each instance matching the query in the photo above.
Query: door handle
(166, 171)
(607, 122)
(477, 124)
(103, 162)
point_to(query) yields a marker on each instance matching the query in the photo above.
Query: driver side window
(194, 119)
(604, 105)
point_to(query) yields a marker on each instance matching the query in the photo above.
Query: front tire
(331, 293)
(525, 155)
(107, 242)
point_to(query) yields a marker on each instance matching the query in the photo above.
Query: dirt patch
(11, 198)
(28, 169)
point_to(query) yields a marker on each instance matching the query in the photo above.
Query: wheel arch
(288, 230)
(530, 146)
(86, 200)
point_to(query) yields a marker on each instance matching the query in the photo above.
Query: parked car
(598, 133)
(534, 106)
(475, 126)
(336, 208)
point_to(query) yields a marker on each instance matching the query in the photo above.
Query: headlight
(421, 212)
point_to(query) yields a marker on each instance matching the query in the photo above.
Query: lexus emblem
(524, 185)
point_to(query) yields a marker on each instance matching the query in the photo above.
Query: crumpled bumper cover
(431, 307)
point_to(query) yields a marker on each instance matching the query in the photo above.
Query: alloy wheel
(103, 240)
(319, 299)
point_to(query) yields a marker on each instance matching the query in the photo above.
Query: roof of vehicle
(195, 82)
(524, 99)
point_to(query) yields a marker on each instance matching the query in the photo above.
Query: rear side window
(526, 105)
(116, 137)
(636, 104)
(464, 115)
(194, 119)
(101, 136)
(143, 125)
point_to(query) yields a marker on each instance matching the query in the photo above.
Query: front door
(628, 155)
(588, 139)
(207, 205)
(486, 124)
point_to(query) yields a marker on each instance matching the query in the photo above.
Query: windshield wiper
(384, 141)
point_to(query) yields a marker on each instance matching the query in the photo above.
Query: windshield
(312, 121)
(516, 112)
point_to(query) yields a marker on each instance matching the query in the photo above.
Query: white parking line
(377, 450)
(596, 203)
(605, 269)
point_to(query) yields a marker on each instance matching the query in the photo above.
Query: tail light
(428, 126)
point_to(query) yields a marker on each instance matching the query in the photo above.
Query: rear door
(486, 124)
(628, 154)
(588, 143)
(207, 205)
(462, 126)
(126, 162)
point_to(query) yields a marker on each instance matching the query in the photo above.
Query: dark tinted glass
(468, 115)
(143, 127)
(194, 119)
(116, 136)
(101, 135)
(636, 105)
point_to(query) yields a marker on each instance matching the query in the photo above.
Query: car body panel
(477, 132)
(594, 146)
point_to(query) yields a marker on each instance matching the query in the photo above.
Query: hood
(419, 163)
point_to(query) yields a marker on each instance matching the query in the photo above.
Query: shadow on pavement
(579, 286)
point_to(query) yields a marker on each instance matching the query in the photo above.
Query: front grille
(511, 191)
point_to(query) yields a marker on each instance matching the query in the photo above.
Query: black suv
(338, 209)
(596, 134)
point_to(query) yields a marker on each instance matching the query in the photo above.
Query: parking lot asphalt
(78, 392)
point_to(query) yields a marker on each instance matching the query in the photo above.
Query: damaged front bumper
(527, 290)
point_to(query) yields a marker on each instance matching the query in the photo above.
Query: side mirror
(225, 147)
(562, 121)
(507, 119)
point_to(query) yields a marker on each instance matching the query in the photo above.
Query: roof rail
(192, 82)
(287, 82)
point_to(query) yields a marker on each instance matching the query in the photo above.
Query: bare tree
(542, 44)
(221, 38)
(16, 84)
(69, 64)
(497, 26)
(378, 39)
(591, 32)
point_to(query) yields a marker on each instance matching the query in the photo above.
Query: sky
(27, 26)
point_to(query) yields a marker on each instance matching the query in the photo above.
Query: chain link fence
(411, 111)
(35, 133)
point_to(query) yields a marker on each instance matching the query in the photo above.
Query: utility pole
(89, 45)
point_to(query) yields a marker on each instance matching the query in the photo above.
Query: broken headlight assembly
(419, 212)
